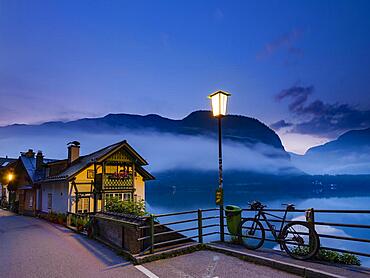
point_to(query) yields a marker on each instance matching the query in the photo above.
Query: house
(78, 184)
(5, 176)
(81, 184)
(24, 187)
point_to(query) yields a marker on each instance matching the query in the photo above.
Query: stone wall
(123, 232)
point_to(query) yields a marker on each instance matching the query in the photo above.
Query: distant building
(78, 184)
(24, 188)
(5, 169)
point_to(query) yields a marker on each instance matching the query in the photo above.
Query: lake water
(164, 198)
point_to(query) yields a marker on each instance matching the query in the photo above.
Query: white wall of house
(58, 193)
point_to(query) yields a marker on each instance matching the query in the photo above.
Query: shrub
(136, 208)
(332, 256)
(73, 220)
(81, 222)
(52, 217)
(337, 257)
(61, 217)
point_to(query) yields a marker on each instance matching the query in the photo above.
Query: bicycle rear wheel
(300, 240)
(252, 233)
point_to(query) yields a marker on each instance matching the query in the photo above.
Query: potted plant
(61, 218)
(80, 224)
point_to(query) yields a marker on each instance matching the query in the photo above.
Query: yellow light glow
(10, 177)
(219, 103)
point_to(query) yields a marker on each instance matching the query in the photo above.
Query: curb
(283, 266)
(181, 250)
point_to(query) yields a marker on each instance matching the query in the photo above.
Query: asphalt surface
(31, 247)
(208, 264)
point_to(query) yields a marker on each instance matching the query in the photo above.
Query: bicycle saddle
(289, 206)
(256, 205)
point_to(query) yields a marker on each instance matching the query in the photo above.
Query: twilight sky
(300, 66)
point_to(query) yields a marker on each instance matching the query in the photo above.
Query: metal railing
(201, 225)
(311, 215)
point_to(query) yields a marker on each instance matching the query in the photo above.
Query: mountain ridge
(348, 154)
(236, 128)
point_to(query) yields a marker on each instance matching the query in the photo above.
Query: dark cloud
(319, 118)
(283, 41)
(280, 124)
(298, 95)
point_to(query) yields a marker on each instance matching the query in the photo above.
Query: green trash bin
(233, 218)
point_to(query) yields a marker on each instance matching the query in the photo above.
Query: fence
(311, 216)
(199, 226)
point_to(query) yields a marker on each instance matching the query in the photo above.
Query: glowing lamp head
(10, 177)
(219, 103)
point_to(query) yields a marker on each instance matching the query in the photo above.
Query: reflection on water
(172, 198)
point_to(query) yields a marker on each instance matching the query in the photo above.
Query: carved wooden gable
(119, 156)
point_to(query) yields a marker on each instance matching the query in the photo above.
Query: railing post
(222, 227)
(310, 218)
(200, 226)
(151, 233)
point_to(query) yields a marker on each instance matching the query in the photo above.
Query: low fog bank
(334, 163)
(163, 151)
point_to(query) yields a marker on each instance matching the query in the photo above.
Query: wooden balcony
(109, 182)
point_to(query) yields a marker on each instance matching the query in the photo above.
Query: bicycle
(297, 238)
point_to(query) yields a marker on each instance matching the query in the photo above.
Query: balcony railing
(113, 183)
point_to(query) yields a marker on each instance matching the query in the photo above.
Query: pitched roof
(84, 161)
(5, 161)
(29, 164)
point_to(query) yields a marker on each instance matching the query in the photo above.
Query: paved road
(208, 264)
(31, 247)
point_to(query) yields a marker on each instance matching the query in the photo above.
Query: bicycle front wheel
(252, 233)
(300, 240)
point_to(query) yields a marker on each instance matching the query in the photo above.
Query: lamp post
(219, 104)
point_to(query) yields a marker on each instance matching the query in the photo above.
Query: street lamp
(10, 177)
(219, 105)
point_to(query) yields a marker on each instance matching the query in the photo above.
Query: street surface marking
(146, 271)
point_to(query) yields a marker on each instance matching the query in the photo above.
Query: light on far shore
(219, 103)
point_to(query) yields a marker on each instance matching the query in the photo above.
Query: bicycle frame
(262, 214)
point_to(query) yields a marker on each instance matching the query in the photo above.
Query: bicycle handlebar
(256, 205)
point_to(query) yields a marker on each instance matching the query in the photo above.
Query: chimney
(30, 153)
(73, 151)
(39, 160)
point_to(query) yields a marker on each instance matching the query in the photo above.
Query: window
(110, 169)
(120, 196)
(50, 201)
(83, 205)
(127, 196)
(31, 202)
(90, 174)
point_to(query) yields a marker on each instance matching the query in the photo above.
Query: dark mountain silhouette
(350, 142)
(241, 129)
(349, 154)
